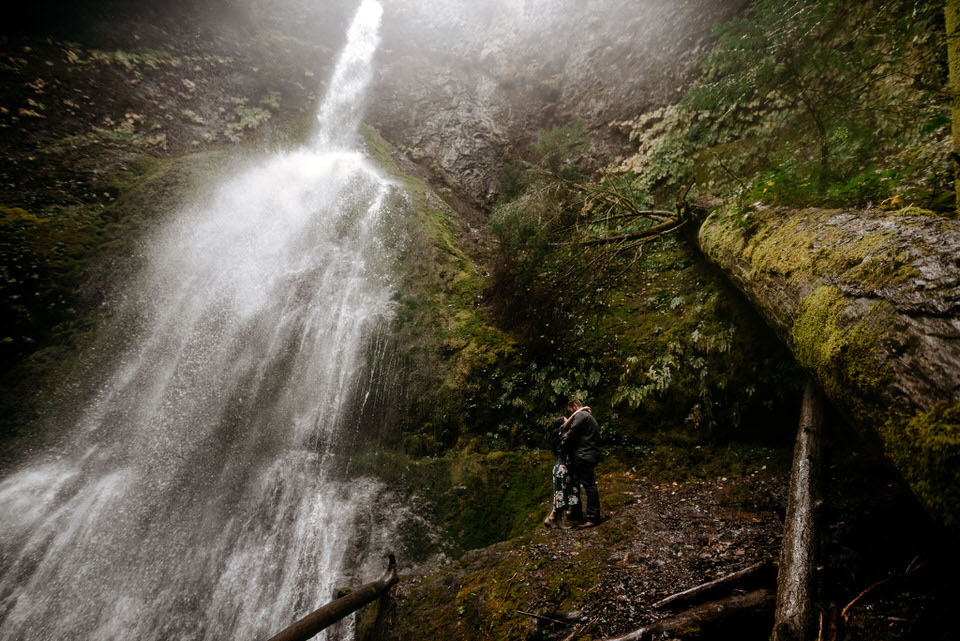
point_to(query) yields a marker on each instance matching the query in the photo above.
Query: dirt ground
(662, 538)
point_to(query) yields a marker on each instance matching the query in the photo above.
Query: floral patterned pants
(566, 488)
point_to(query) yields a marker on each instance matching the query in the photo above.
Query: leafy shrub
(848, 97)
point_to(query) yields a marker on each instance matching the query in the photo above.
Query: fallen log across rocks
(869, 303)
(318, 620)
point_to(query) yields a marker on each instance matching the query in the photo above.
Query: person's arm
(573, 427)
(566, 423)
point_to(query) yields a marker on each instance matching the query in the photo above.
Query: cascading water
(195, 498)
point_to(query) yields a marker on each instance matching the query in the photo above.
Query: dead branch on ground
(731, 612)
(758, 572)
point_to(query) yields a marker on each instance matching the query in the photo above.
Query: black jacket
(582, 438)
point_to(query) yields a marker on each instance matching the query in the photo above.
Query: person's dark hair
(555, 427)
(573, 401)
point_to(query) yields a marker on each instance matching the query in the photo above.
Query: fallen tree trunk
(758, 573)
(797, 611)
(732, 613)
(315, 622)
(869, 303)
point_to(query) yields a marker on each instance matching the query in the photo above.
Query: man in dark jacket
(581, 444)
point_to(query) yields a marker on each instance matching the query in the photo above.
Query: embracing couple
(576, 442)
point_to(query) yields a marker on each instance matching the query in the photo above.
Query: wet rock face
(463, 84)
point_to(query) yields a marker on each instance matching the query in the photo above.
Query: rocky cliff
(464, 86)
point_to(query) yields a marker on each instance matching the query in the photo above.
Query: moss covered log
(869, 303)
(952, 16)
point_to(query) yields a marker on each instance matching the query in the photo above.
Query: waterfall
(195, 497)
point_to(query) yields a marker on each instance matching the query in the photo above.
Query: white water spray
(195, 499)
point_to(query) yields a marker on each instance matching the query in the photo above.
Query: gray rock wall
(463, 85)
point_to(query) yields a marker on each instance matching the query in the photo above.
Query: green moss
(481, 598)
(65, 247)
(799, 243)
(784, 249)
(883, 269)
(443, 335)
(841, 353)
(245, 119)
(477, 498)
(913, 210)
(689, 633)
(123, 135)
(926, 448)
(144, 58)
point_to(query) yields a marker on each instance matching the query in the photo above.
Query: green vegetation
(640, 327)
(810, 102)
(477, 595)
(146, 58)
(478, 498)
(41, 262)
(927, 448)
(443, 336)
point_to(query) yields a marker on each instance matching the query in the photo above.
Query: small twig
(727, 169)
(845, 613)
(652, 213)
(543, 618)
(656, 230)
(632, 262)
(910, 567)
(581, 628)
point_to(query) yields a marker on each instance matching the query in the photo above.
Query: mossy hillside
(443, 335)
(478, 595)
(479, 599)
(688, 352)
(743, 131)
(84, 254)
(476, 498)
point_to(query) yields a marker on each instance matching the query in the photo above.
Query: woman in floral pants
(566, 488)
